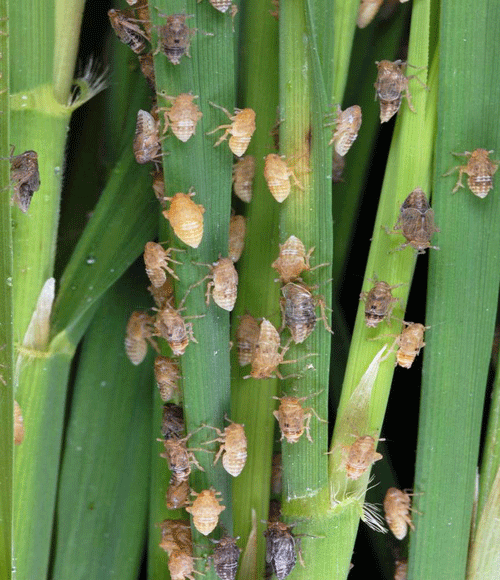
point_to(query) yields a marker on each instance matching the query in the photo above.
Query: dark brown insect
(298, 307)
(205, 510)
(241, 129)
(179, 458)
(397, 512)
(167, 374)
(156, 260)
(367, 11)
(182, 116)
(237, 229)
(147, 143)
(177, 493)
(280, 549)
(360, 456)
(139, 330)
(390, 85)
(480, 169)
(347, 127)
(175, 37)
(170, 325)
(247, 335)
(147, 69)
(416, 222)
(225, 557)
(243, 174)
(294, 419)
(410, 341)
(172, 423)
(379, 303)
(127, 28)
(25, 178)
(234, 447)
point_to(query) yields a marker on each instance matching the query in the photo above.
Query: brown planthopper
(163, 294)
(25, 178)
(247, 336)
(223, 283)
(294, 419)
(480, 169)
(233, 448)
(277, 175)
(175, 535)
(280, 549)
(268, 353)
(182, 116)
(127, 28)
(147, 142)
(225, 558)
(237, 230)
(205, 510)
(179, 458)
(167, 375)
(410, 341)
(379, 303)
(243, 174)
(156, 260)
(147, 69)
(397, 512)
(367, 11)
(18, 424)
(360, 456)
(174, 37)
(139, 330)
(172, 422)
(241, 129)
(347, 127)
(186, 218)
(390, 85)
(177, 493)
(293, 260)
(170, 325)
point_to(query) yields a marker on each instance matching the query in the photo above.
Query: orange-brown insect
(401, 569)
(243, 174)
(177, 493)
(267, 355)
(147, 141)
(167, 374)
(147, 69)
(234, 447)
(174, 37)
(379, 303)
(280, 549)
(175, 535)
(225, 558)
(416, 222)
(163, 294)
(390, 85)
(182, 116)
(247, 335)
(223, 283)
(410, 341)
(480, 169)
(241, 129)
(127, 29)
(179, 458)
(170, 325)
(237, 230)
(156, 260)
(18, 424)
(25, 177)
(172, 422)
(367, 11)
(347, 127)
(298, 307)
(181, 565)
(397, 512)
(277, 175)
(139, 330)
(292, 260)
(205, 510)
(360, 456)
(186, 218)
(294, 419)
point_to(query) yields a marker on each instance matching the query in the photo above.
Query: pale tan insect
(147, 143)
(401, 569)
(367, 11)
(174, 37)
(139, 330)
(243, 174)
(292, 260)
(347, 127)
(360, 456)
(177, 493)
(416, 222)
(25, 177)
(163, 294)
(480, 169)
(205, 510)
(175, 535)
(179, 458)
(18, 424)
(247, 335)
(220, 5)
(186, 218)
(298, 307)
(223, 283)
(241, 129)
(182, 116)
(338, 164)
(172, 422)
(410, 341)
(147, 69)
(170, 325)
(156, 260)
(234, 447)
(225, 558)
(379, 303)
(277, 175)
(167, 374)
(237, 230)
(127, 28)
(294, 419)
(267, 355)
(397, 512)
(390, 85)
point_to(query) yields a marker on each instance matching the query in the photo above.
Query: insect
(267, 355)
(338, 164)
(186, 218)
(348, 123)
(127, 29)
(170, 325)
(360, 456)
(147, 138)
(220, 5)
(293, 260)
(298, 307)
(167, 374)
(367, 11)
(223, 283)
(175, 535)
(163, 294)
(241, 129)
(410, 341)
(139, 330)
(390, 85)
(397, 512)
(237, 229)
(401, 570)
(416, 222)
(159, 185)
(175, 37)
(234, 447)
(243, 174)
(225, 557)
(179, 458)
(379, 303)
(25, 177)
(147, 69)
(293, 419)
(172, 423)
(280, 549)
(181, 565)
(18, 424)
(156, 260)
(277, 175)
(177, 493)
(247, 335)
(480, 169)
(182, 116)
(205, 510)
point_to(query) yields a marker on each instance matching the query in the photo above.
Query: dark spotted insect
(280, 549)
(25, 178)
(175, 37)
(379, 303)
(172, 424)
(226, 557)
(127, 28)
